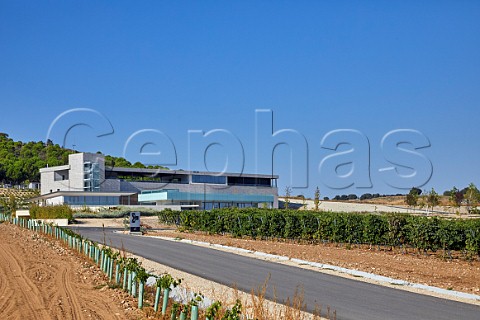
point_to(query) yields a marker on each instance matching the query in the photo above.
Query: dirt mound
(40, 279)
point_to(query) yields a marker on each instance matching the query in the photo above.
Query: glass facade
(207, 201)
(248, 181)
(91, 176)
(91, 201)
(209, 179)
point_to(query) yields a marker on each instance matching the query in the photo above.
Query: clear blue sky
(370, 66)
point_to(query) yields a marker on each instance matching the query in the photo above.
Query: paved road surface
(351, 299)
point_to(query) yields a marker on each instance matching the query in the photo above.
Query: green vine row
(419, 232)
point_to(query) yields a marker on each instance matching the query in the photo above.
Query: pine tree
(316, 200)
(288, 193)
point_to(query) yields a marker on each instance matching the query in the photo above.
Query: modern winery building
(87, 181)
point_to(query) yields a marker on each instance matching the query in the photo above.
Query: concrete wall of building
(55, 201)
(34, 185)
(57, 222)
(48, 183)
(76, 171)
(22, 213)
(173, 207)
(50, 178)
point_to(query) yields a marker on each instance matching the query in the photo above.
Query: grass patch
(99, 286)
(114, 286)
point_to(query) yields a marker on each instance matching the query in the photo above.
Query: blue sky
(370, 66)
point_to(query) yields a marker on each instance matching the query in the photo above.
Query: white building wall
(76, 171)
(75, 181)
(48, 183)
(55, 201)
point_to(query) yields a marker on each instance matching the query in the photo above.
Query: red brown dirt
(40, 279)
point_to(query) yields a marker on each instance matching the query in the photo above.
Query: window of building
(92, 201)
(209, 179)
(91, 176)
(249, 181)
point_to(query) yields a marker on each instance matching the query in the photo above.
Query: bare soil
(452, 274)
(41, 279)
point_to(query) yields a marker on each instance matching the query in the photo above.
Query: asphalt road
(351, 299)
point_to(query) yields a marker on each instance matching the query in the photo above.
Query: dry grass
(256, 306)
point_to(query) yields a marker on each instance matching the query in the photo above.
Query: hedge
(51, 212)
(419, 232)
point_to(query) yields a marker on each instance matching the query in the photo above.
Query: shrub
(51, 212)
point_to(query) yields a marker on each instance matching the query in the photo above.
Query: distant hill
(20, 162)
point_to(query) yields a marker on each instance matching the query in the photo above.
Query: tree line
(469, 196)
(20, 162)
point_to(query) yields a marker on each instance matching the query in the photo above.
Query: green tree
(472, 197)
(316, 200)
(432, 199)
(138, 165)
(411, 199)
(288, 194)
(455, 198)
(20, 161)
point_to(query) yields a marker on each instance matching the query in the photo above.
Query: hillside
(18, 193)
(20, 162)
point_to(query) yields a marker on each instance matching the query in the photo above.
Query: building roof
(184, 172)
(57, 168)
